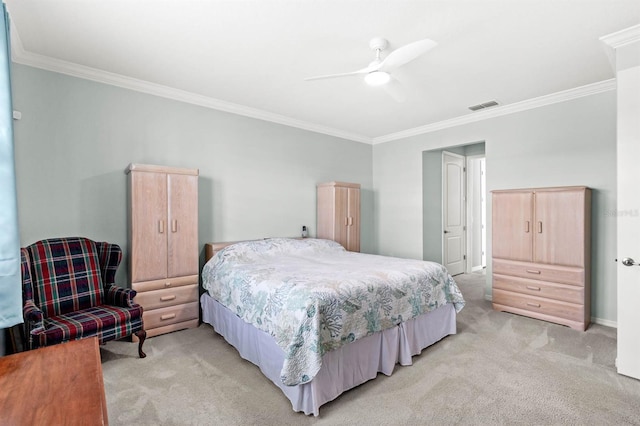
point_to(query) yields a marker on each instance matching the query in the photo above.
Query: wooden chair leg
(141, 336)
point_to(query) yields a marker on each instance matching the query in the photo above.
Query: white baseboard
(605, 322)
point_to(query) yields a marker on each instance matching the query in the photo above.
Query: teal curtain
(10, 279)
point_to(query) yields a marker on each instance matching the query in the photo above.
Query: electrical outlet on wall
(305, 233)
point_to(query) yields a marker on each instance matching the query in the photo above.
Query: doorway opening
(454, 207)
(476, 213)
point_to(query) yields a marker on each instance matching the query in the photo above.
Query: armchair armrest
(33, 323)
(32, 314)
(118, 296)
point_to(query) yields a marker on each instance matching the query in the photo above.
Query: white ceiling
(251, 57)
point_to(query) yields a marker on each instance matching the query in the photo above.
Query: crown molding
(565, 95)
(21, 56)
(613, 41)
(622, 37)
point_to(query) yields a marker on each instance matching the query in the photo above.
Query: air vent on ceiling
(484, 105)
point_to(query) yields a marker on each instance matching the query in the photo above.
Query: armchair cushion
(108, 322)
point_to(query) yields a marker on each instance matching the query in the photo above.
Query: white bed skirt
(343, 368)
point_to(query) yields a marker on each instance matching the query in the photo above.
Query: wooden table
(56, 385)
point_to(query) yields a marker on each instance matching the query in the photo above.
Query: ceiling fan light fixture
(377, 78)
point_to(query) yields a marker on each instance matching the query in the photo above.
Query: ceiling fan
(378, 72)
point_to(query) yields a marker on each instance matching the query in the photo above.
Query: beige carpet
(499, 369)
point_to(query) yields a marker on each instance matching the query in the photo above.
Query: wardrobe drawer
(565, 292)
(539, 271)
(164, 283)
(170, 315)
(553, 308)
(167, 297)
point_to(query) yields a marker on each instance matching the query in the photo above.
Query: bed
(319, 320)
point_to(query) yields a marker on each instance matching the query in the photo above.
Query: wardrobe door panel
(512, 225)
(183, 225)
(326, 221)
(341, 219)
(560, 227)
(353, 221)
(148, 226)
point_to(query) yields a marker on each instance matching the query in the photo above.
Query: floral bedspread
(313, 296)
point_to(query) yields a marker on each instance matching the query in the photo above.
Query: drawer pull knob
(530, 287)
(167, 317)
(167, 284)
(535, 305)
(532, 271)
(167, 298)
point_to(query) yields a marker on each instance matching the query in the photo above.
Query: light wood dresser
(541, 253)
(163, 245)
(339, 213)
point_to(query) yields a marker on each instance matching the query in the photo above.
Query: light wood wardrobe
(339, 213)
(541, 253)
(163, 245)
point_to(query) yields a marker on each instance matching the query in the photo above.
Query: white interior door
(628, 80)
(453, 215)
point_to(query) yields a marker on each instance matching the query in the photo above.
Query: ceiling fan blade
(406, 54)
(395, 90)
(368, 69)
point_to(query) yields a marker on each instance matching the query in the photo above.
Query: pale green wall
(570, 143)
(257, 179)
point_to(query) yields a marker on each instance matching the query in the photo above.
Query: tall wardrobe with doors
(339, 213)
(541, 253)
(163, 245)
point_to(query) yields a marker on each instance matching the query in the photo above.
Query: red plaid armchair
(68, 293)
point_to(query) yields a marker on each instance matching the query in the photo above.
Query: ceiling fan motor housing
(378, 43)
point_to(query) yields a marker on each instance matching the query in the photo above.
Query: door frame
(469, 215)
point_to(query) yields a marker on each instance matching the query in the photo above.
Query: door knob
(446, 232)
(627, 261)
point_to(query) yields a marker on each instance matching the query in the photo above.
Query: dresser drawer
(539, 271)
(565, 292)
(547, 307)
(167, 297)
(164, 283)
(170, 315)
